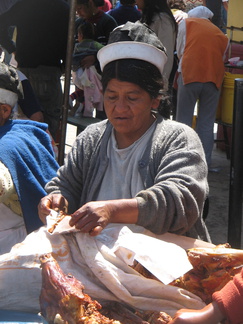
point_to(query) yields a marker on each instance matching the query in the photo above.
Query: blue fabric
(10, 317)
(25, 149)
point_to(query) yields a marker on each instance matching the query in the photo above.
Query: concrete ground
(219, 180)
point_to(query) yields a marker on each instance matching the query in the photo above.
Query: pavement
(219, 181)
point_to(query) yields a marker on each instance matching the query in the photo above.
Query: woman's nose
(121, 103)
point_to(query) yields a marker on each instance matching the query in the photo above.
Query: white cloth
(8, 97)
(92, 261)
(90, 81)
(12, 229)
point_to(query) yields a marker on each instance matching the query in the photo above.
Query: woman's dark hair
(141, 73)
(151, 7)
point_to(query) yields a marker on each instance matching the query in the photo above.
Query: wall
(235, 18)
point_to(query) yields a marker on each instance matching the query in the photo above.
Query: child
(87, 79)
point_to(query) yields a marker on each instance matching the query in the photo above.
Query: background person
(215, 7)
(89, 11)
(27, 162)
(178, 9)
(40, 50)
(107, 6)
(87, 80)
(157, 15)
(29, 106)
(136, 167)
(126, 11)
(201, 48)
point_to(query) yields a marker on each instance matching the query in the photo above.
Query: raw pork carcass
(212, 269)
(62, 298)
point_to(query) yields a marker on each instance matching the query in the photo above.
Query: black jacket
(42, 31)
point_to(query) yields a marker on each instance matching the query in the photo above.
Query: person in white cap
(136, 167)
(27, 162)
(201, 48)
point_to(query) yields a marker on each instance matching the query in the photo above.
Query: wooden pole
(236, 170)
(70, 42)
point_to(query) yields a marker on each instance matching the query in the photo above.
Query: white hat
(8, 97)
(132, 50)
(200, 12)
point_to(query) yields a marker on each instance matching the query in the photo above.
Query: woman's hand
(210, 314)
(52, 201)
(180, 15)
(92, 217)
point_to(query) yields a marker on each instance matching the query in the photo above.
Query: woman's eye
(132, 98)
(112, 98)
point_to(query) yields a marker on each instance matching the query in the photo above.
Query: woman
(88, 10)
(135, 167)
(157, 15)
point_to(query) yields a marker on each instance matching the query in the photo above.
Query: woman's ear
(155, 103)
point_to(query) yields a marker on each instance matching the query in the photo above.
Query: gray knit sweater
(173, 170)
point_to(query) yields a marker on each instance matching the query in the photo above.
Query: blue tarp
(7, 317)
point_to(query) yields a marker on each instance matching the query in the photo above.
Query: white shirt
(123, 169)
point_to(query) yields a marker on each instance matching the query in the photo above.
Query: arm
(181, 39)
(95, 215)
(179, 15)
(226, 4)
(227, 304)
(210, 314)
(174, 202)
(29, 104)
(230, 299)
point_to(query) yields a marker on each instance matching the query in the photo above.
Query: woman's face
(140, 4)
(128, 108)
(84, 11)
